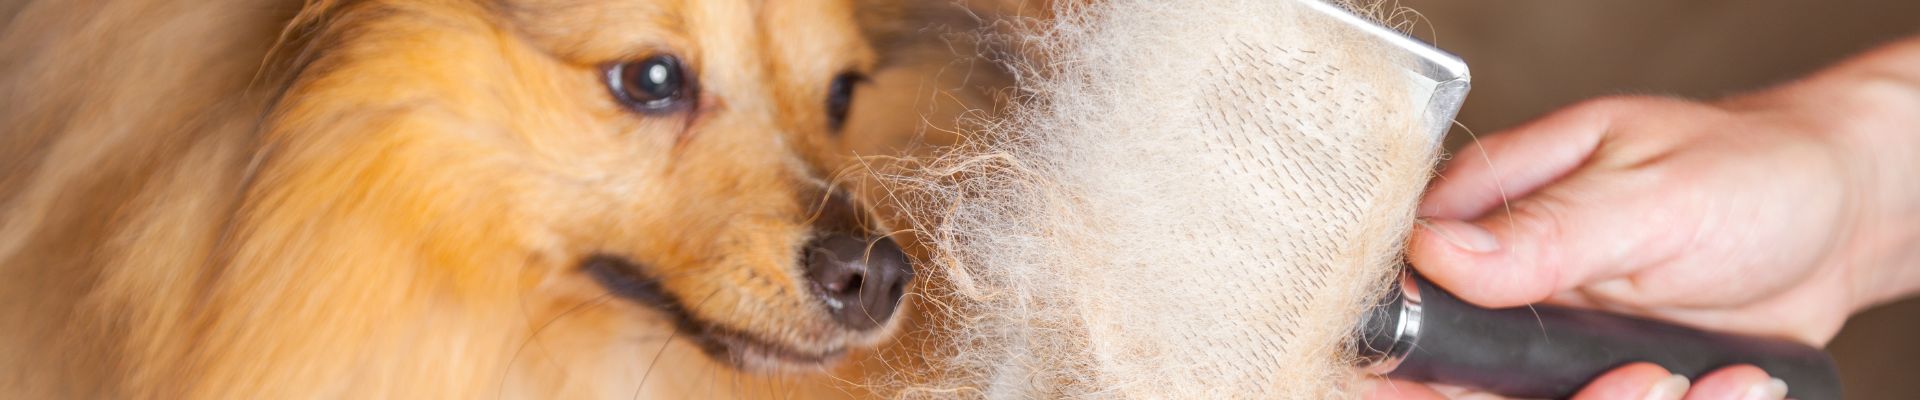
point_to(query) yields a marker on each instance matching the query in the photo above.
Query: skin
(1778, 213)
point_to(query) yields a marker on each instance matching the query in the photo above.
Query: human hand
(1702, 214)
(1757, 215)
(1653, 207)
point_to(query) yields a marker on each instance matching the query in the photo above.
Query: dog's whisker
(738, 387)
(663, 349)
(713, 380)
(657, 354)
(533, 337)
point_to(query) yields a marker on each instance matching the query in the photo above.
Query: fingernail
(1772, 389)
(1671, 388)
(1463, 235)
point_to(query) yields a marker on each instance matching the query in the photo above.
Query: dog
(440, 198)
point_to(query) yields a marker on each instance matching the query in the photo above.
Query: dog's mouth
(742, 350)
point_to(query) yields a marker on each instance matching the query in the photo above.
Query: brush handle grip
(1552, 352)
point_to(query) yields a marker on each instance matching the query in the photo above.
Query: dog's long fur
(389, 199)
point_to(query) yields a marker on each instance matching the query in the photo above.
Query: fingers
(1511, 164)
(1650, 382)
(1497, 170)
(1633, 382)
(1744, 382)
(1559, 228)
(1575, 233)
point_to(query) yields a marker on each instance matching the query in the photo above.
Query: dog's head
(679, 156)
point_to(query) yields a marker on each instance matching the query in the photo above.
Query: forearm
(1875, 109)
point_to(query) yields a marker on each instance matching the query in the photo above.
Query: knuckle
(1610, 105)
(1627, 108)
(1541, 220)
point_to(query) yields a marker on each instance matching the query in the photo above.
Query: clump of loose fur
(1189, 200)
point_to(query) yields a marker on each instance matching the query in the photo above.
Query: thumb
(1583, 230)
(1573, 221)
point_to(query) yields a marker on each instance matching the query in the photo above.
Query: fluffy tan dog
(435, 198)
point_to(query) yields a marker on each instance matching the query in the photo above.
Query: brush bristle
(1190, 200)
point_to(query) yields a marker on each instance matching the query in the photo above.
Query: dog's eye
(840, 97)
(656, 84)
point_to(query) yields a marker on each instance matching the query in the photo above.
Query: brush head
(1189, 200)
(1441, 75)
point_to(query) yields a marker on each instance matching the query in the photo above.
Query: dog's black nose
(861, 280)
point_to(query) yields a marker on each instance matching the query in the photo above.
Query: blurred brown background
(1529, 57)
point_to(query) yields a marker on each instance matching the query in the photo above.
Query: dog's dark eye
(840, 97)
(655, 84)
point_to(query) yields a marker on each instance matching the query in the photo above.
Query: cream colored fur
(1192, 200)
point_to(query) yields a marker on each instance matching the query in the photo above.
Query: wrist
(1870, 113)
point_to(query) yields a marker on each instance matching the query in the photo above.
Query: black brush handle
(1551, 352)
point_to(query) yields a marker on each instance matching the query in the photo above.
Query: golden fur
(389, 198)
